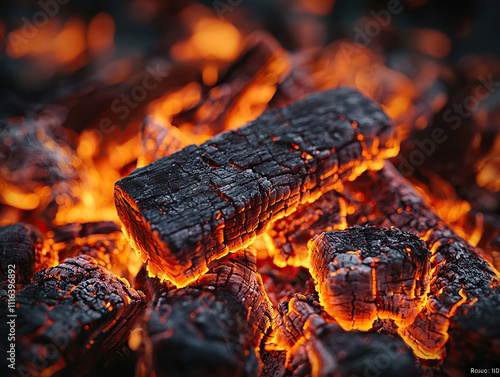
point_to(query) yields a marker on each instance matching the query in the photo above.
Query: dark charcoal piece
(320, 348)
(72, 316)
(464, 290)
(23, 246)
(69, 232)
(289, 236)
(366, 273)
(214, 326)
(187, 209)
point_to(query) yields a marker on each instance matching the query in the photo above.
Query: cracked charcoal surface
(214, 326)
(320, 348)
(366, 273)
(291, 234)
(192, 207)
(71, 316)
(464, 289)
(23, 246)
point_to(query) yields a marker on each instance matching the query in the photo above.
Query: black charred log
(366, 273)
(212, 327)
(71, 317)
(185, 210)
(321, 348)
(464, 289)
(23, 248)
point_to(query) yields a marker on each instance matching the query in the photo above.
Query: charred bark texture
(71, 316)
(185, 210)
(464, 289)
(212, 327)
(321, 348)
(23, 248)
(366, 273)
(289, 236)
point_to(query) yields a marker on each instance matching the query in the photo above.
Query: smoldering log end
(366, 273)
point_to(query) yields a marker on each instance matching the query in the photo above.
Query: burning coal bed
(290, 246)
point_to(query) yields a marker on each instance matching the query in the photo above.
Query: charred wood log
(35, 155)
(366, 273)
(263, 64)
(102, 240)
(159, 140)
(71, 316)
(212, 327)
(464, 289)
(72, 231)
(322, 348)
(23, 248)
(289, 236)
(185, 210)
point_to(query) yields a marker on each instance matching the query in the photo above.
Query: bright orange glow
(70, 42)
(211, 38)
(210, 74)
(100, 33)
(489, 168)
(51, 42)
(317, 6)
(431, 42)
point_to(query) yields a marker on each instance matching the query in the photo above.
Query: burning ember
(189, 190)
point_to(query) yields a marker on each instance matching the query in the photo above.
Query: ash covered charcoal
(23, 247)
(72, 316)
(213, 327)
(460, 315)
(187, 209)
(366, 273)
(319, 347)
(289, 236)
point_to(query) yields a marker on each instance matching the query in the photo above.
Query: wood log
(70, 317)
(185, 210)
(213, 327)
(23, 247)
(102, 240)
(366, 273)
(159, 140)
(320, 348)
(459, 317)
(287, 238)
